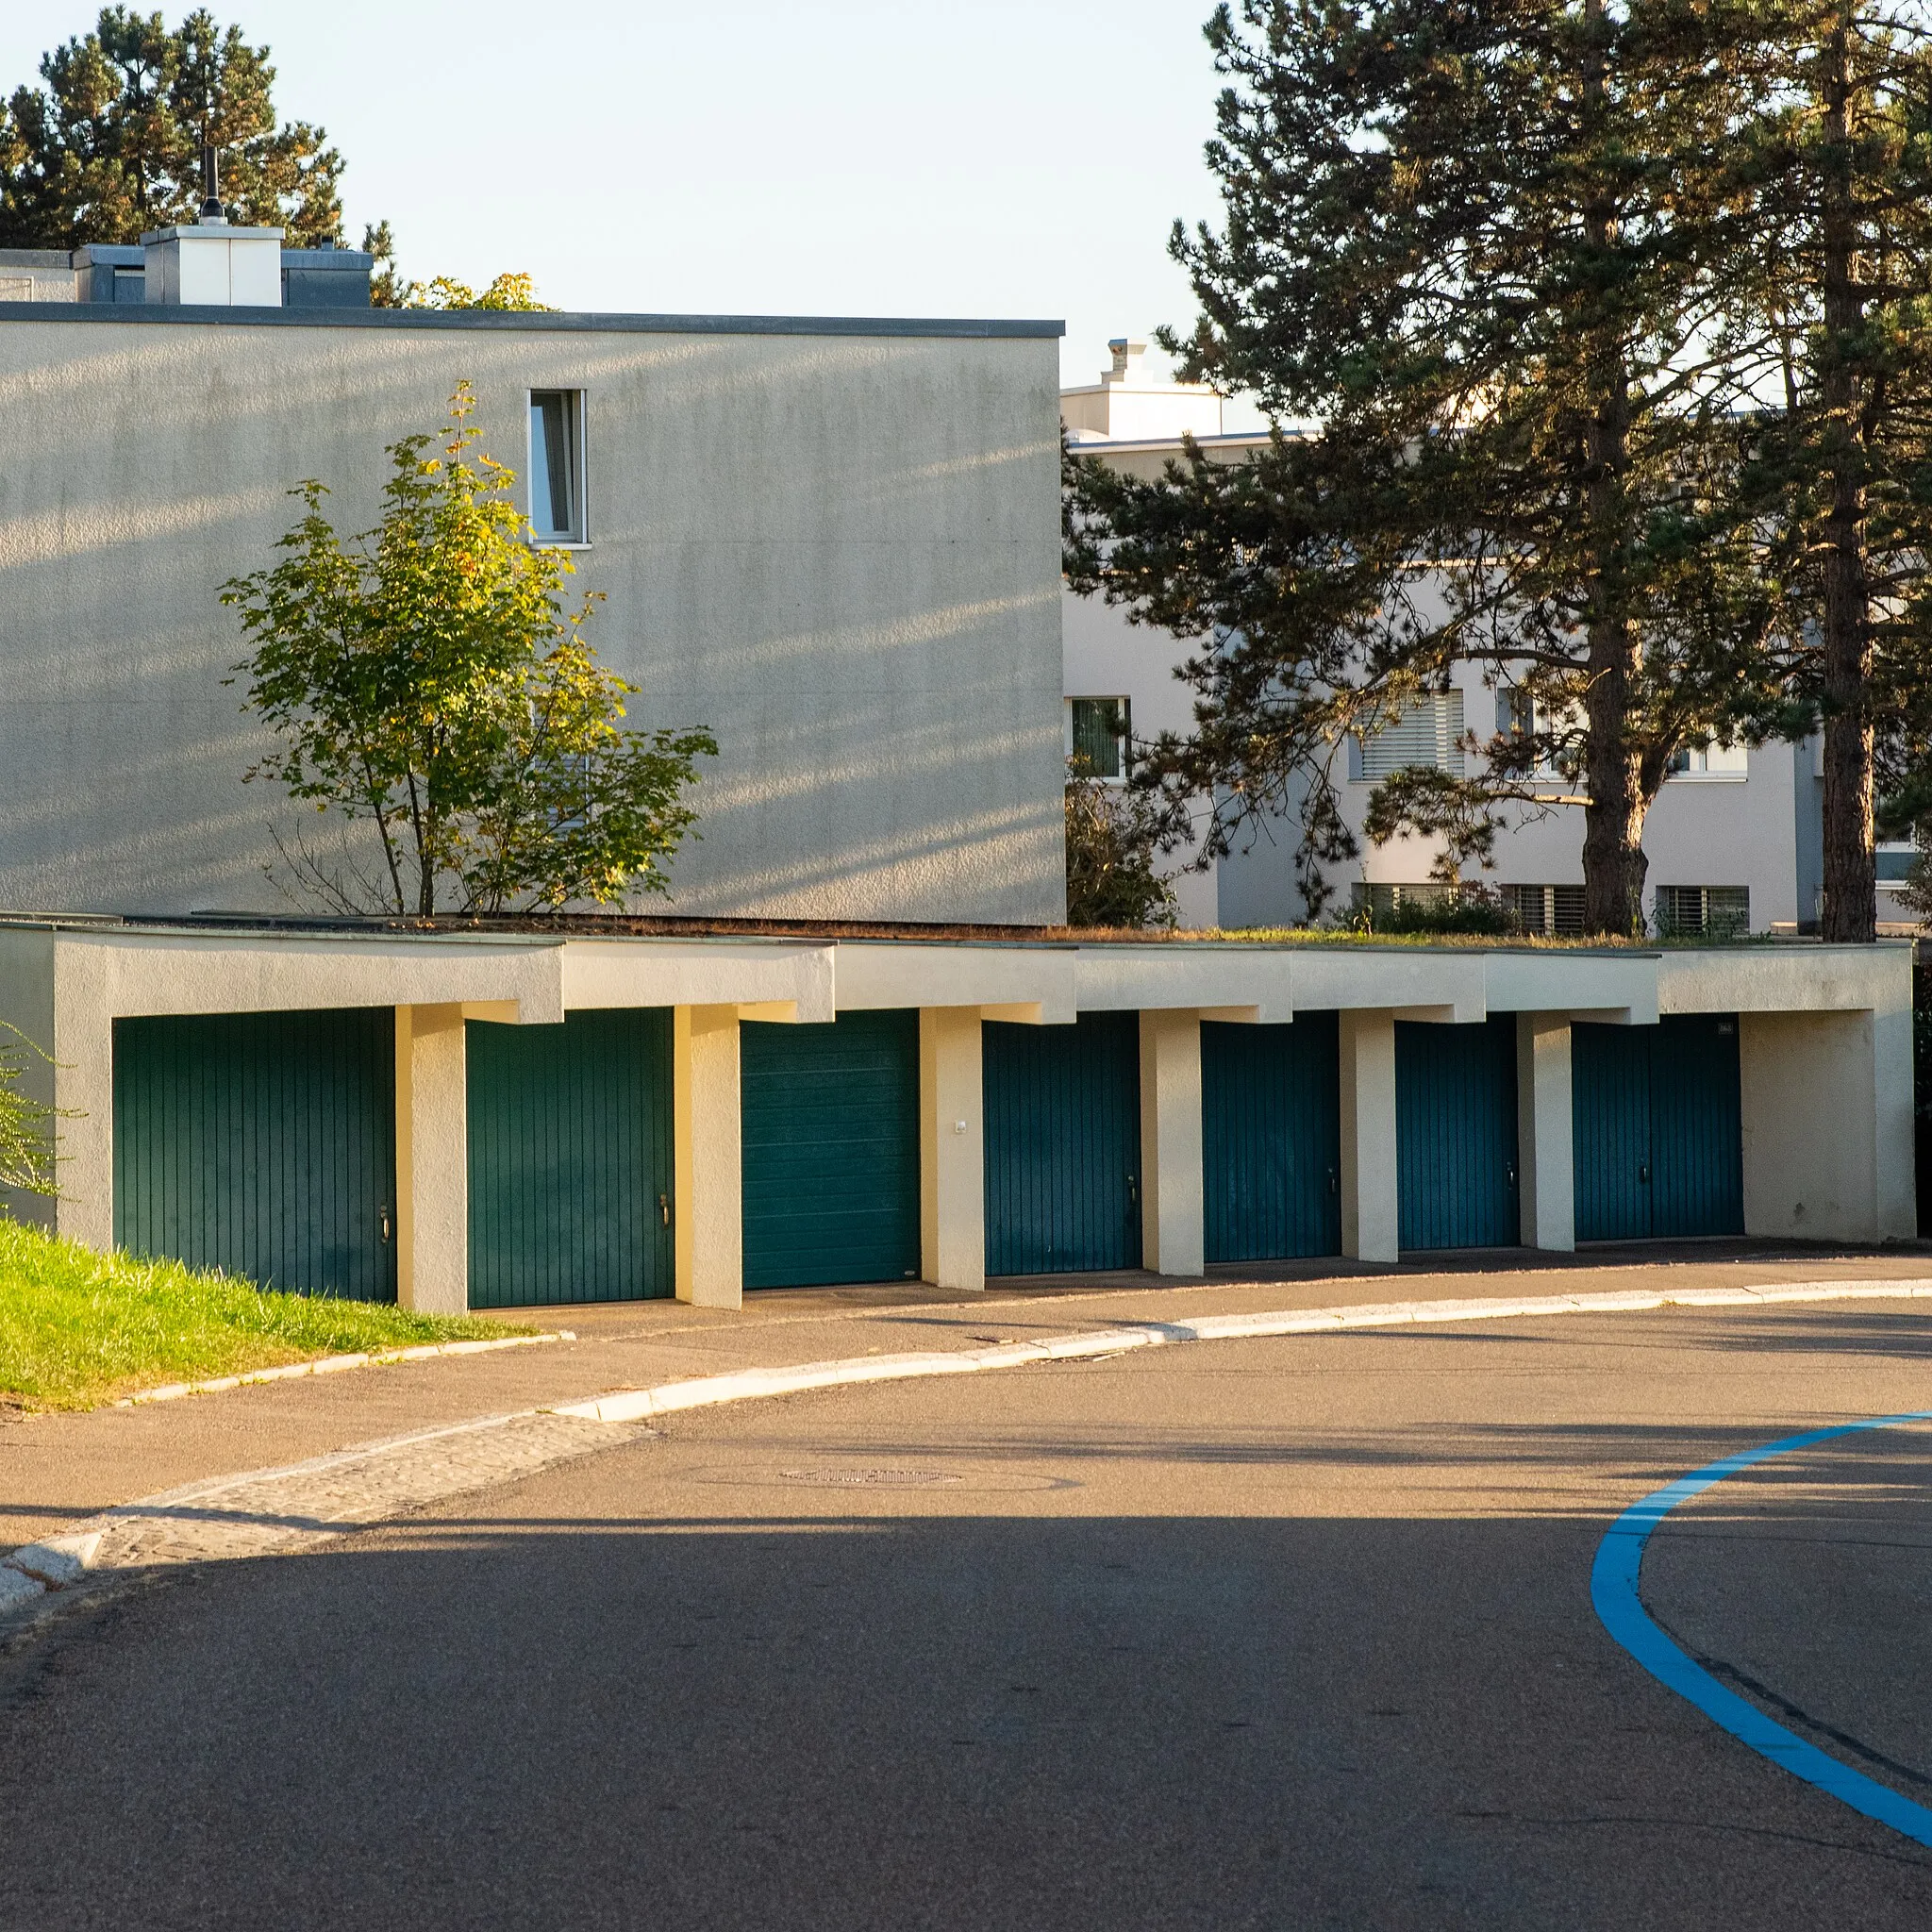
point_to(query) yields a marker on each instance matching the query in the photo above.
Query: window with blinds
(1429, 734)
(1098, 732)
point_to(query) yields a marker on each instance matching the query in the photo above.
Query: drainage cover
(869, 1478)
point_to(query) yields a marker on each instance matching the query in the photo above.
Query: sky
(988, 158)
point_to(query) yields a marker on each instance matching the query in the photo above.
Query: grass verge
(79, 1327)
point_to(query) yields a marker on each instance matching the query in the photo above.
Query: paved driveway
(1284, 1634)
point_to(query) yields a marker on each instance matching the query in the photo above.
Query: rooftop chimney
(212, 214)
(1132, 403)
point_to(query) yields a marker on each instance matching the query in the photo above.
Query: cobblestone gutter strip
(280, 1511)
(330, 1364)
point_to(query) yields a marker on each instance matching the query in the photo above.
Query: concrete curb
(263, 1512)
(638, 1404)
(330, 1364)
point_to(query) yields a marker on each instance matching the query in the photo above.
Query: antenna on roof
(210, 185)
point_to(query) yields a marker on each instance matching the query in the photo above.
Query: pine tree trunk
(1850, 889)
(1614, 864)
(1613, 861)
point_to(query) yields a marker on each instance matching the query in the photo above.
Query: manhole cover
(869, 1478)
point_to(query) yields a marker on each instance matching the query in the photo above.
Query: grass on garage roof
(79, 1327)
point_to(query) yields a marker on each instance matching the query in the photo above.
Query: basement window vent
(557, 466)
(1715, 911)
(1555, 911)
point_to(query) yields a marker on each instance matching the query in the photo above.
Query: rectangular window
(1098, 732)
(1714, 910)
(1725, 762)
(1553, 910)
(557, 465)
(1429, 733)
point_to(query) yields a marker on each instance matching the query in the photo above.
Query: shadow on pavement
(939, 1721)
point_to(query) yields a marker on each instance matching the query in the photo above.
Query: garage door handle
(1133, 1192)
(664, 1209)
(1644, 1172)
(385, 1225)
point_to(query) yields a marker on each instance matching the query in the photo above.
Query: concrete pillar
(952, 1149)
(1171, 1210)
(1828, 1124)
(709, 1216)
(432, 1205)
(1545, 1163)
(1368, 1136)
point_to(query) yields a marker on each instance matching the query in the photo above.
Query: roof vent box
(213, 265)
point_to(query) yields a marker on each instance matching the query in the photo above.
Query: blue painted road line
(1613, 1590)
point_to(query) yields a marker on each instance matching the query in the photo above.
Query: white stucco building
(1735, 835)
(831, 541)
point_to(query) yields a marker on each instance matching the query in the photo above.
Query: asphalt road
(1280, 1634)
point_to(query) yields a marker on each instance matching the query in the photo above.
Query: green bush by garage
(1271, 1140)
(1062, 1110)
(571, 1160)
(262, 1145)
(830, 1120)
(1456, 1148)
(1657, 1129)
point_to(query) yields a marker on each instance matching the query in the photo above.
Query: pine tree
(1471, 243)
(110, 147)
(1833, 169)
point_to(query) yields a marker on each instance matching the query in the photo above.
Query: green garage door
(831, 1150)
(262, 1143)
(1271, 1140)
(1063, 1145)
(571, 1160)
(1656, 1130)
(1455, 1134)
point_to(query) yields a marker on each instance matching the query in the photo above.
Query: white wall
(839, 551)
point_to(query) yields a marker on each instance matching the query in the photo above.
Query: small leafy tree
(28, 1143)
(387, 287)
(424, 681)
(1112, 837)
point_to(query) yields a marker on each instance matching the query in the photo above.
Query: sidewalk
(57, 1471)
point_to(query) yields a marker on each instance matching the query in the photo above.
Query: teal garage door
(571, 1160)
(1456, 1135)
(1271, 1140)
(1062, 1109)
(1656, 1130)
(831, 1150)
(262, 1145)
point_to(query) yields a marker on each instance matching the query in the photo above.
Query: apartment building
(1734, 840)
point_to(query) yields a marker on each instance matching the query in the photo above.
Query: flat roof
(170, 314)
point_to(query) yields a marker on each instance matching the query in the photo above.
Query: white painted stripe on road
(703, 1391)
